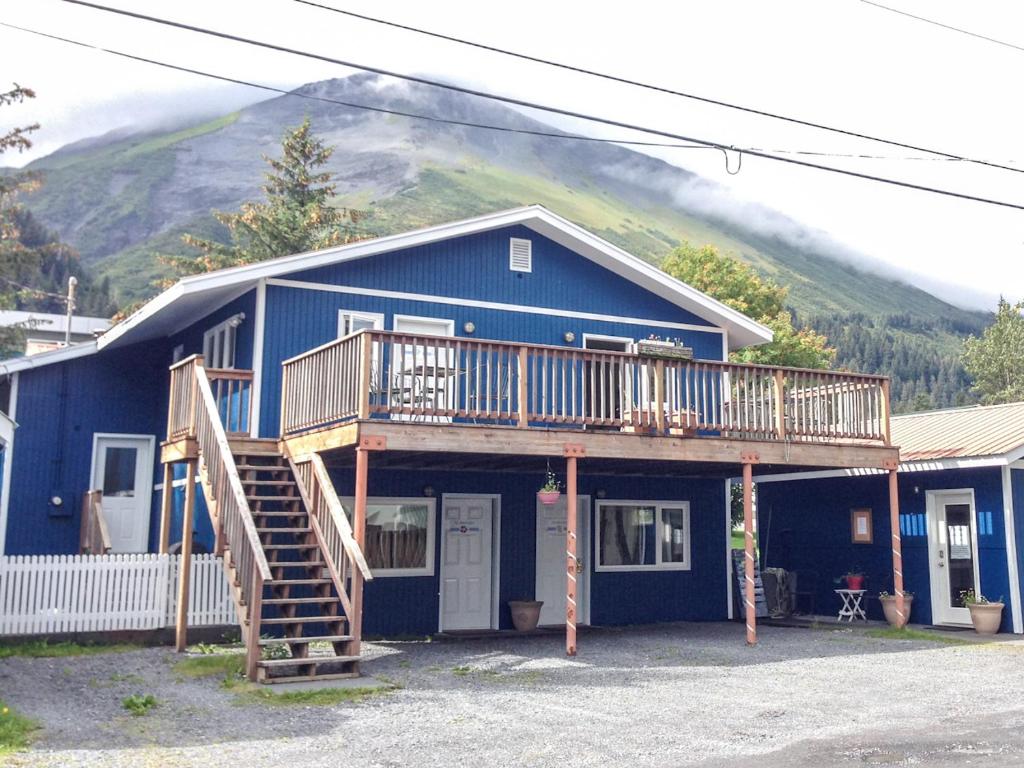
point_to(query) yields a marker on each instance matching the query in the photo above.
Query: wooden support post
(659, 395)
(166, 508)
(254, 612)
(524, 409)
(780, 405)
(748, 563)
(185, 563)
(897, 544)
(359, 533)
(365, 373)
(571, 559)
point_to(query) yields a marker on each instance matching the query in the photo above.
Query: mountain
(121, 198)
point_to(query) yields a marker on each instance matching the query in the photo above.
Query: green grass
(46, 649)
(320, 697)
(736, 540)
(228, 664)
(139, 704)
(892, 633)
(15, 729)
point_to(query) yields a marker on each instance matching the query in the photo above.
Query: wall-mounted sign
(860, 526)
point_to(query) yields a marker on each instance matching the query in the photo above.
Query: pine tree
(295, 218)
(995, 360)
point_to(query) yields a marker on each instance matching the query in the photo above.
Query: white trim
(495, 499)
(448, 323)
(1012, 568)
(547, 311)
(725, 359)
(1017, 465)
(728, 544)
(82, 349)
(5, 489)
(658, 565)
(147, 498)
(626, 340)
(743, 329)
(431, 503)
(258, 332)
(931, 512)
(929, 465)
(377, 318)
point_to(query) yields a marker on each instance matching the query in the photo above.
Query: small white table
(851, 604)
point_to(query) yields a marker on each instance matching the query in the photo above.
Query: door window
(119, 471)
(959, 552)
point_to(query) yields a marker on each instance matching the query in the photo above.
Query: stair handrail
(95, 538)
(233, 511)
(337, 511)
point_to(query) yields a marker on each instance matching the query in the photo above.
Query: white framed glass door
(953, 554)
(122, 468)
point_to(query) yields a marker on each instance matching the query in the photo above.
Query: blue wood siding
(1017, 494)
(191, 338)
(477, 267)
(409, 605)
(804, 525)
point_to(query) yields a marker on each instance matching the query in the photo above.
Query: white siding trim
(931, 465)
(5, 489)
(1012, 563)
(258, 331)
(304, 285)
(728, 545)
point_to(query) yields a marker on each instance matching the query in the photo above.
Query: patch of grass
(15, 729)
(892, 633)
(230, 664)
(321, 697)
(139, 704)
(461, 671)
(45, 649)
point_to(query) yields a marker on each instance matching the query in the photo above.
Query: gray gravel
(682, 694)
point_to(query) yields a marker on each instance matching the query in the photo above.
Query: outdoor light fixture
(469, 327)
(56, 501)
(569, 337)
(601, 493)
(236, 320)
(428, 491)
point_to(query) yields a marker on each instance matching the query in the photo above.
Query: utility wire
(658, 88)
(950, 27)
(434, 118)
(541, 107)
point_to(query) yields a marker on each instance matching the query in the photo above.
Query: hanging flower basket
(551, 490)
(549, 497)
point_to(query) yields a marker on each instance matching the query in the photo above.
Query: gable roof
(961, 433)
(193, 296)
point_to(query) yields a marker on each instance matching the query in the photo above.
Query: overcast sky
(842, 63)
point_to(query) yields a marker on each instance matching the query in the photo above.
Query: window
(399, 536)
(641, 535)
(520, 255)
(219, 343)
(350, 321)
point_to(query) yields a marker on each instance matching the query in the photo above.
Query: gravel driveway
(683, 694)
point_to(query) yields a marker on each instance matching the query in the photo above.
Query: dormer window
(520, 257)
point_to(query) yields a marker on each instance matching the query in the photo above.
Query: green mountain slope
(122, 199)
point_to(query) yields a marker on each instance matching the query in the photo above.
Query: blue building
(961, 501)
(386, 411)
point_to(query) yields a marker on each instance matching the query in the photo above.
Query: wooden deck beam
(182, 449)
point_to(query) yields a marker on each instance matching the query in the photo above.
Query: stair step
(295, 582)
(301, 640)
(304, 620)
(241, 465)
(315, 660)
(278, 513)
(269, 482)
(282, 529)
(273, 498)
(300, 600)
(296, 563)
(314, 545)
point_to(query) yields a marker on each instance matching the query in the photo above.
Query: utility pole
(72, 284)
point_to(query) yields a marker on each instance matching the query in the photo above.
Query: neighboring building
(459, 363)
(961, 486)
(45, 332)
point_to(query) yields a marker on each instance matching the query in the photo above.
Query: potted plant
(889, 608)
(986, 615)
(525, 614)
(551, 490)
(854, 580)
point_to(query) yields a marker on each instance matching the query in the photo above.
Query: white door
(552, 559)
(953, 553)
(421, 372)
(466, 526)
(122, 467)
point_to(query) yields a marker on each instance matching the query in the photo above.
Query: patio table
(851, 604)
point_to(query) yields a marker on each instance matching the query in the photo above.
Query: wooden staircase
(302, 616)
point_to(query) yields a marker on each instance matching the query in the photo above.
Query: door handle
(579, 565)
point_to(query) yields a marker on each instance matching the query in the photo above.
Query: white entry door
(122, 467)
(422, 372)
(953, 554)
(551, 560)
(466, 525)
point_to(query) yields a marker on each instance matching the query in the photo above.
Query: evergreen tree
(296, 216)
(995, 360)
(740, 287)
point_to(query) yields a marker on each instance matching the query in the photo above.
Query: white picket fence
(50, 594)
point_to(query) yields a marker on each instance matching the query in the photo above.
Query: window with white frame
(219, 343)
(642, 535)
(399, 535)
(350, 321)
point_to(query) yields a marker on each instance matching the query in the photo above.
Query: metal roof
(960, 433)
(53, 323)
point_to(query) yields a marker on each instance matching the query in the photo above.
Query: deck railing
(444, 379)
(231, 390)
(95, 536)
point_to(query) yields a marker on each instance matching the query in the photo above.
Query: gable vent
(520, 257)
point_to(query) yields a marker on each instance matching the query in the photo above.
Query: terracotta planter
(889, 607)
(986, 617)
(525, 614)
(548, 497)
(855, 582)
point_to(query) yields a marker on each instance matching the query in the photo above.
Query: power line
(927, 21)
(657, 88)
(433, 118)
(541, 107)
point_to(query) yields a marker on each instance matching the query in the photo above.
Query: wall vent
(520, 255)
